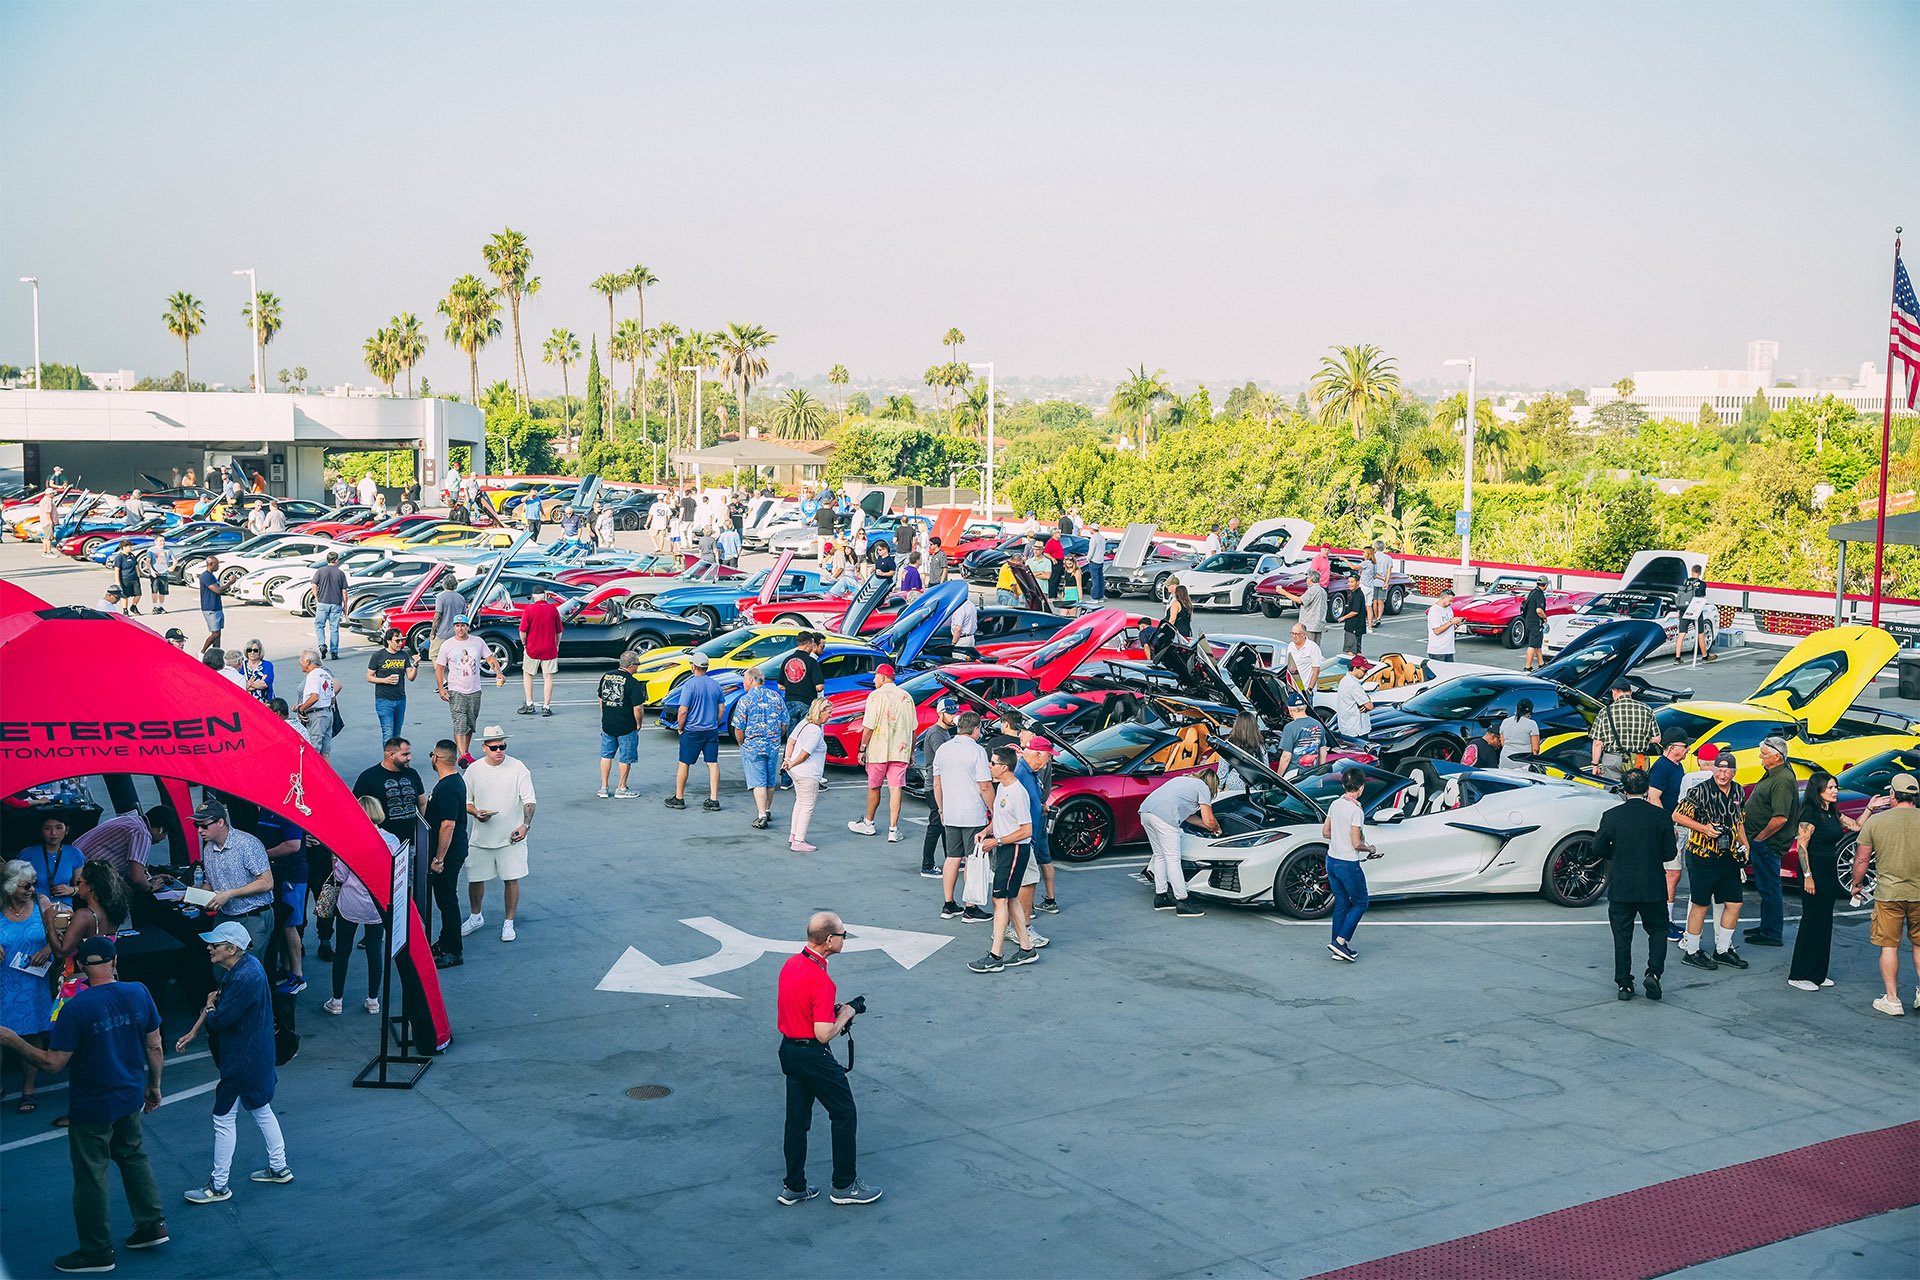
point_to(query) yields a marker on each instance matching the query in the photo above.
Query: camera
(858, 1004)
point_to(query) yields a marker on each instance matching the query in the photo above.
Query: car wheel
(1575, 875)
(230, 576)
(308, 603)
(1163, 587)
(791, 620)
(1843, 859)
(90, 546)
(1396, 599)
(1300, 887)
(706, 616)
(1249, 603)
(1082, 830)
(270, 586)
(1336, 606)
(627, 523)
(1271, 608)
(504, 652)
(420, 639)
(645, 642)
(1436, 749)
(1515, 634)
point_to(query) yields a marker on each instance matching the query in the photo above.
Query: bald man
(810, 1016)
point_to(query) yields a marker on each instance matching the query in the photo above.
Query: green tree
(740, 347)
(410, 344)
(1352, 382)
(300, 376)
(563, 349)
(971, 413)
(1403, 531)
(628, 345)
(1709, 420)
(590, 430)
(510, 259)
(859, 404)
(61, 377)
(953, 341)
(286, 377)
(799, 416)
(1136, 397)
(640, 279)
(472, 312)
(899, 407)
(1624, 388)
(610, 286)
(1619, 417)
(184, 318)
(1625, 524)
(1402, 445)
(837, 378)
(1249, 401)
(382, 355)
(269, 320)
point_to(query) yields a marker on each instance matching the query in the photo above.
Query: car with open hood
(83, 539)
(1493, 611)
(1142, 566)
(1440, 828)
(1226, 579)
(1100, 780)
(1649, 589)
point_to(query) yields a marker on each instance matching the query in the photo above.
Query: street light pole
(699, 421)
(1466, 503)
(988, 366)
(259, 374)
(35, 282)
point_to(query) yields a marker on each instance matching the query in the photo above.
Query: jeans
(90, 1146)
(446, 896)
(806, 790)
(1096, 582)
(1766, 879)
(1005, 597)
(814, 1075)
(390, 712)
(343, 955)
(1651, 916)
(326, 627)
(1349, 885)
(936, 836)
(224, 1140)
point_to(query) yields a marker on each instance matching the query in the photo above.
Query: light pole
(1466, 501)
(988, 366)
(699, 422)
(259, 374)
(35, 282)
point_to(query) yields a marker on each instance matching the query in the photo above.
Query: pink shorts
(891, 772)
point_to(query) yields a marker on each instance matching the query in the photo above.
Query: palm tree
(285, 378)
(472, 310)
(184, 318)
(629, 344)
(901, 407)
(382, 354)
(563, 349)
(411, 338)
(610, 286)
(1409, 447)
(1353, 381)
(1136, 397)
(971, 412)
(1401, 532)
(953, 341)
(799, 416)
(300, 376)
(836, 378)
(1495, 450)
(740, 346)
(1624, 388)
(638, 278)
(509, 258)
(269, 320)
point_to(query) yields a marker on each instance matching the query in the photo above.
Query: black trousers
(446, 895)
(1653, 917)
(1813, 945)
(814, 1075)
(930, 848)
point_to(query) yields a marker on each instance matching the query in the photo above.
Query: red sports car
(1494, 610)
(1099, 781)
(822, 613)
(392, 524)
(652, 565)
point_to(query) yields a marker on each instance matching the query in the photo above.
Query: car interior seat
(1188, 751)
(1398, 672)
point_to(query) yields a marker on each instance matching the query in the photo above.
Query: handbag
(978, 888)
(329, 900)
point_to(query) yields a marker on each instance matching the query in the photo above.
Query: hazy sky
(1568, 191)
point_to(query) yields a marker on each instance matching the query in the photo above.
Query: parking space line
(1453, 924)
(52, 1088)
(168, 1100)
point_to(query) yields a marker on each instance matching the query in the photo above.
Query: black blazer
(1637, 838)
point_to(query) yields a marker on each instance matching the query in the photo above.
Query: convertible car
(1440, 828)
(1100, 780)
(1494, 610)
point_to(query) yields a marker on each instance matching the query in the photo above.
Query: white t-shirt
(961, 766)
(1516, 738)
(1440, 644)
(1011, 809)
(1343, 815)
(506, 789)
(367, 490)
(658, 515)
(1177, 799)
(1306, 659)
(812, 740)
(319, 685)
(1349, 701)
(234, 674)
(463, 660)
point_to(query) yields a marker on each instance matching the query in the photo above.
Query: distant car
(716, 604)
(590, 633)
(984, 566)
(1273, 600)
(1494, 610)
(1152, 574)
(83, 543)
(1649, 589)
(1227, 579)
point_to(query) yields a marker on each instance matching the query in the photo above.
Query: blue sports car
(716, 605)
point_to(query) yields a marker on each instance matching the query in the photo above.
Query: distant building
(113, 380)
(1761, 353)
(1679, 393)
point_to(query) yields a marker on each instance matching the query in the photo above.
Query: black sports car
(595, 636)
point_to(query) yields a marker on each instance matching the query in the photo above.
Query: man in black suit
(1636, 839)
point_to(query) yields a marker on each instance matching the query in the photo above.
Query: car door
(1425, 851)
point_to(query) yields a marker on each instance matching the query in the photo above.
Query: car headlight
(1253, 841)
(847, 717)
(1395, 733)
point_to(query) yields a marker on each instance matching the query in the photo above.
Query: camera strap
(848, 1033)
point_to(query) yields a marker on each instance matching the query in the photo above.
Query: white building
(112, 379)
(1679, 393)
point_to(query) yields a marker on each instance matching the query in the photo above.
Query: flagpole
(1886, 439)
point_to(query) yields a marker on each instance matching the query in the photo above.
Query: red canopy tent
(175, 720)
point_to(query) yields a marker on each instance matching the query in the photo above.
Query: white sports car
(1649, 589)
(1440, 828)
(1392, 678)
(1225, 579)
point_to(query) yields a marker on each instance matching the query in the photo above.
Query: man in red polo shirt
(810, 1017)
(540, 629)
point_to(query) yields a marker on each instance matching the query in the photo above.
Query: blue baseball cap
(461, 619)
(948, 706)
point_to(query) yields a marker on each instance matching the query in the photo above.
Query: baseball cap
(1722, 756)
(229, 931)
(1905, 784)
(1776, 744)
(697, 658)
(113, 591)
(210, 810)
(175, 633)
(885, 669)
(1359, 664)
(461, 619)
(1543, 579)
(99, 949)
(1035, 742)
(1293, 700)
(948, 706)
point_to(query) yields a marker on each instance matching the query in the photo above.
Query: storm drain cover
(648, 1092)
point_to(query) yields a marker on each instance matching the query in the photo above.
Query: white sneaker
(1039, 939)
(471, 923)
(370, 1005)
(1801, 984)
(1889, 1006)
(861, 827)
(506, 932)
(893, 835)
(332, 1006)
(604, 794)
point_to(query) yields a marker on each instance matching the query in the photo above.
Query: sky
(1566, 191)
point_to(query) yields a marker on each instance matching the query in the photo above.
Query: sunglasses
(496, 746)
(204, 823)
(841, 934)
(253, 650)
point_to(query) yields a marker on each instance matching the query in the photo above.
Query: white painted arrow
(635, 971)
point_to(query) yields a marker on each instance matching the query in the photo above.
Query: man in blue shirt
(760, 726)
(1665, 781)
(699, 734)
(240, 1015)
(109, 1035)
(213, 605)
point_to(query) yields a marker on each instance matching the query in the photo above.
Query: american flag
(1903, 342)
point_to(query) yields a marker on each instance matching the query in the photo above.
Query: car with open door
(1276, 591)
(1100, 780)
(1649, 589)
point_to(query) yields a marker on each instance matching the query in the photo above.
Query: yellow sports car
(663, 669)
(443, 535)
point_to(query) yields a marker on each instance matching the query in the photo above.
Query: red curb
(1662, 1228)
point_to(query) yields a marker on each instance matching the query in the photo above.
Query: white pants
(1165, 839)
(224, 1138)
(805, 791)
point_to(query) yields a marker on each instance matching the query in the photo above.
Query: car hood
(771, 583)
(1597, 657)
(1068, 648)
(1660, 572)
(918, 623)
(1823, 675)
(1252, 769)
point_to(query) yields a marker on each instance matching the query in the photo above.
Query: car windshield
(1112, 748)
(726, 642)
(1053, 648)
(1626, 605)
(1675, 723)
(1229, 562)
(1872, 776)
(1454, 699)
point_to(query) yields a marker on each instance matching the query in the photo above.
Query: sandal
(27, 1106)
(60, 1122)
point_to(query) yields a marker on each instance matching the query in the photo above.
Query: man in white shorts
(500, 800)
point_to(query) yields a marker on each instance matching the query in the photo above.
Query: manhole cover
(648, 1092)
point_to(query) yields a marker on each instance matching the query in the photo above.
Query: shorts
(290, 903)
(625, 748)
(508, 862)
(700, 744)
(762, 763)
(1888, 920)
(1377, 594)
(466, 712)
(541, 666)
(1713, 880)
(1689, 623)
(1042, 856)
(433, 647)
(216, 619)
(1009, 868)
(892, 772)
(958, 840)
(159, 584)
(1032, 874)
(1535, 637)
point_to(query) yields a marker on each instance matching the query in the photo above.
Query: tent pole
(1840, 587)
